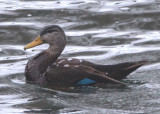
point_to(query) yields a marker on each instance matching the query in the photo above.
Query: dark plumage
(46, 68)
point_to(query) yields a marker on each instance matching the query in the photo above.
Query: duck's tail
(120, 71)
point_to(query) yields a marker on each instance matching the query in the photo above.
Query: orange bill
(36, 42)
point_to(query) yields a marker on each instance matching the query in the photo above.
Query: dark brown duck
(46, 68)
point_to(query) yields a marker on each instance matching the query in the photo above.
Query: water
(104, 32)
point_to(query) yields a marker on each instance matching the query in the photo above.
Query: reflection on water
(105, 32)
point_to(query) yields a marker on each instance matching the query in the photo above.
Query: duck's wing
(117, 71)
(76, 75)
(101, 75)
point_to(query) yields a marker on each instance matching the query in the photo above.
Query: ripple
(103, 32)
(12, 68)
(9, 52)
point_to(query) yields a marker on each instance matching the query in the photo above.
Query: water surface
(104, 32)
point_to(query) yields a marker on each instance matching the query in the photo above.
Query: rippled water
(105, 32)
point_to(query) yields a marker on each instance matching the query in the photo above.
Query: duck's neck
(51, 55)
(37, 66)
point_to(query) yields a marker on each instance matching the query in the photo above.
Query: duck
(47, 68)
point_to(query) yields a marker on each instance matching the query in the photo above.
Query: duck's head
(53, 35)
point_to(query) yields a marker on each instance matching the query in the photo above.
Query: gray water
(104, 32)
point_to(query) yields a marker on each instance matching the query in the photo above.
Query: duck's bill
(36, 42)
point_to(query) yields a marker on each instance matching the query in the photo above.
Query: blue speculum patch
(86, 81)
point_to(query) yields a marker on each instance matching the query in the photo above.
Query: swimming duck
(46, 68)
